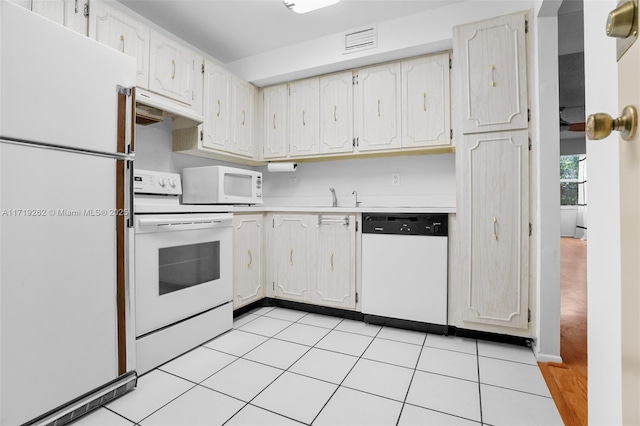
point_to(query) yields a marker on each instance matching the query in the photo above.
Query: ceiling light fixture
(304, 6)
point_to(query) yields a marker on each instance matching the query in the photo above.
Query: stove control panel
(156, 183)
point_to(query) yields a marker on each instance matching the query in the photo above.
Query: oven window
(187, 266)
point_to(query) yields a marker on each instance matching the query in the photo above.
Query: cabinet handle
(332, 261)
(291, 257)
(493, 76)
(173, 74)
(218, 114)
(378, 107)
(122, 40)
(304, 123)
(335, 110)
(274, 121)
(424, 101)
(495, 228)
(243, 117)
(250, 259)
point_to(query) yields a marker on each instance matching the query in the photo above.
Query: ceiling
(231, 30)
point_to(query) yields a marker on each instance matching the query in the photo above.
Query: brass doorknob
(600, 125)
(620, 22)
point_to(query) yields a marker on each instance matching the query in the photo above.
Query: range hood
(152, 108)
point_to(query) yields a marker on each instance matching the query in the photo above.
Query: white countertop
(146, 208)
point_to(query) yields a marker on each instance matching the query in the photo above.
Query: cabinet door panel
(243, 97)
(275, 121)
(75, 18)
(495, 212)
(336, 263)
(378, 108)
(491, 65)
(116, 30)
(50, 9)
(217, 107)
(336, 113)
(247, 258)
(304, 132)
(425, 101)
(293, 257)
(172, 69)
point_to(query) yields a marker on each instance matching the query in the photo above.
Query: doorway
(568, 381)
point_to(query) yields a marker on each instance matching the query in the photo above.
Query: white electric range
(183, 271)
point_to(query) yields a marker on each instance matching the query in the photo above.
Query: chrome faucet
(335, 199)
(356, 194)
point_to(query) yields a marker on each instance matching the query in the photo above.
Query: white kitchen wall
(154, 151)
(425, 180)
(568, 220)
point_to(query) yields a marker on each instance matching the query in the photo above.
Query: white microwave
(221, 185)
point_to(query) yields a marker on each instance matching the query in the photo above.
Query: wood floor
(568, 381)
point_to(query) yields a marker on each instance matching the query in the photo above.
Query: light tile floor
(280, 367)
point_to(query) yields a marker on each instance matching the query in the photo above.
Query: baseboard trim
(549, 358)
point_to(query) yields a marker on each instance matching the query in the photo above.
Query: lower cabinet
(248, 264)
(313, 259)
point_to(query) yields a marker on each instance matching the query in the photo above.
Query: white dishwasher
(404, 266)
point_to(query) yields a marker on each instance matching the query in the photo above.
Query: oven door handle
(213, 221)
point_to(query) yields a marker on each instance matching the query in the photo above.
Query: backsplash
(425, 180)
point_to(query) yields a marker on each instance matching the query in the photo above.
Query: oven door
(183, 267)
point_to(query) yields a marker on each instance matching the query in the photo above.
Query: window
(569, 180)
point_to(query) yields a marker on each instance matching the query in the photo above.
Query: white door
(493, 81)
(378, 108)
(58, 279)
(425, 101)
(247, 259)
(243, 102)
(606, 172)
(293, 256)
(336, 113)
(171, 69)
(275, 120)
(304, 131)
(180, 272)
(494, 212)
(336, 261)
(115, 29)
(217, 107)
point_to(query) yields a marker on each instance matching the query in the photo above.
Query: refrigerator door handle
(62, 148)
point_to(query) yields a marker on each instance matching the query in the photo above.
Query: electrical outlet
(395, 179)
(292, 182)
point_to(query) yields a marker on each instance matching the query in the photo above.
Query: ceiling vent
(361, 39)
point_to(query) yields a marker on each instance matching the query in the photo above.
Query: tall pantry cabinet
(492, 166)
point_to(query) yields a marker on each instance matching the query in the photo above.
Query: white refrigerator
(66, 138)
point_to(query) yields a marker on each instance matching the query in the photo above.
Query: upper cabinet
(243, 116)
(115, 29)
(70, 13)
(274, 121)
(493, 81)
(426, 101)
(336, 113)
(304, 116)
(217, 107)
(378, 107)
(172, 69)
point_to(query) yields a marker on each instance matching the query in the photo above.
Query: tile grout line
(284, 371)
(479, 384)
(411, 381)
(347, 375)
(111, 410)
